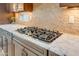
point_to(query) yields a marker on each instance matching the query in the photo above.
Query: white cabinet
(10, 45)
(25, 48)
(6, 42)
(22, 51)
(18, 49)
(5, 45)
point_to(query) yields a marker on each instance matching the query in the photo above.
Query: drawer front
(26, 52)
(34, 48)
(21, 51)
(52, 54)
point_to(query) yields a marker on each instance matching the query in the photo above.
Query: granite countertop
(66, 44)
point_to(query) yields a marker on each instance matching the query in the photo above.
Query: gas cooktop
(39, 33)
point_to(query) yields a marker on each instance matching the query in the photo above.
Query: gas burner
(39, 33)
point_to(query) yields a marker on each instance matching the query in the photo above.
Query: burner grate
(39, 33)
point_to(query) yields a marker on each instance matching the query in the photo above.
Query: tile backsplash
(53, 17)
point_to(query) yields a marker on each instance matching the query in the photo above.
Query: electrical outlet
(71, 19)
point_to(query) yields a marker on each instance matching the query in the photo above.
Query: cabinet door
(5, 45)
(33, 48)
(19, 7)
(15, 7)
(22, 51)
(9, 47)
(18, 49)
(26, 52)
(28, 6)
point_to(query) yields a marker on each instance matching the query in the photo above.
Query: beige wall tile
(53, 17)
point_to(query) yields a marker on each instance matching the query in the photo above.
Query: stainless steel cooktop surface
(39, 33)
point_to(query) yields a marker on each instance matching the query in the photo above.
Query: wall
(52, 17)
(3, 14)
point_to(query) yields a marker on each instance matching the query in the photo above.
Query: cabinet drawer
(26, 52)
(31, 46)
(52, 54)
(22, 51)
